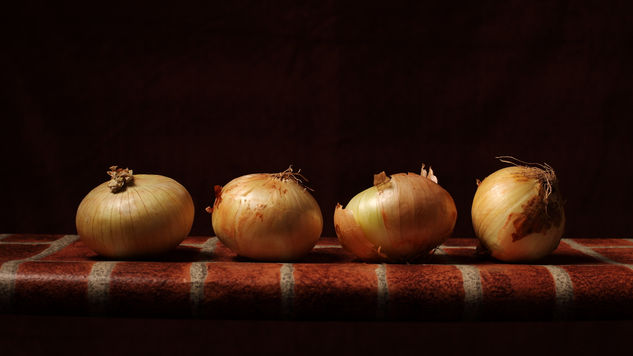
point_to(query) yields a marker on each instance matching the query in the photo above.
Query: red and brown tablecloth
(584, 279)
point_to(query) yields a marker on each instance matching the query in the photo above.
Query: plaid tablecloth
(584, 279)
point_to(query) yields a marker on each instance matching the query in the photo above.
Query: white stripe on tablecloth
(382, 292)
(54, 247)
(198, 274)
(99, 286)
(605, 246)
(2, 236)
(7, 283)
(208, 247)
(591, 252)
(473, 294)
(287, 284)
(8, 269)
(564, 291)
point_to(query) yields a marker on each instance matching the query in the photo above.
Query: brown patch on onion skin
(218, 195)
(380, 178)
(521, 177)
(539, 214)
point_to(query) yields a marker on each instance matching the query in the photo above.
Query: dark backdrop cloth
(343, 90)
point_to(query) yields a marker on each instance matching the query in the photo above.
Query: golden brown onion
(134, 215)
(400, 218)
(266, 216)
(518, 213)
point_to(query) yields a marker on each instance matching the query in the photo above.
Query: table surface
(584, 279)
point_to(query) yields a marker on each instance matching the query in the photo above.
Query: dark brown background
(205, 93)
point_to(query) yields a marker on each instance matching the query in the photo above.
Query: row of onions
(517, 214)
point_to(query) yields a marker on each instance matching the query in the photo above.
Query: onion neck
(120, 179)
(290, 175)
(543, 172)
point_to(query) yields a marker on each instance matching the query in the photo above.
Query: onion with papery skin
(401, 218)
(270, 217)
(135, 215)
(517, 212)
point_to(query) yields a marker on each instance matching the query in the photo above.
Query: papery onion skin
(149, 217)
(399, 219)
(518, 213)
(267, 217)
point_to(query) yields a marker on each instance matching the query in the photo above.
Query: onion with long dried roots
(134, 215)
(269, 217)
(518, 213)
(401, 218)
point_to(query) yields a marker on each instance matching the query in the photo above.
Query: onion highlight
(269, 217)
(134, 215)
(400, 218)
(518, 213)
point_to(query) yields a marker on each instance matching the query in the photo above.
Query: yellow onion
(400, 218)
(267, 216)
(517, 212)
(134, 215)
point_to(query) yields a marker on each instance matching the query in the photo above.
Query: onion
(134, 215)
(517, 212)
(400, 218)
(267, 216)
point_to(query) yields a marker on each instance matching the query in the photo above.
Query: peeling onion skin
(265, 217)
(401, 219)
(514, 217)
(148, 218)
(352, 237)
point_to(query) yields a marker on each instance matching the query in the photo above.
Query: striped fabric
(584, 279)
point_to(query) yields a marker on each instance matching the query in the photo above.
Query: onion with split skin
(268, 217)
(135, 215)
(401, 218)
(517, 212)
